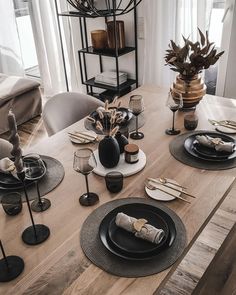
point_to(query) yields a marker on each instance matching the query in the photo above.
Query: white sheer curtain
(166, 20)
(10, 52)
(45, 28)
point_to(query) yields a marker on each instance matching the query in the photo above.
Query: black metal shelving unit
(109, 91)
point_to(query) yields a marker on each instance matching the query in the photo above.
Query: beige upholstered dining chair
(66, 108)
(5, 148)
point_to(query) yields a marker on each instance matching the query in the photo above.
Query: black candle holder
(10, 266)
(36, 233)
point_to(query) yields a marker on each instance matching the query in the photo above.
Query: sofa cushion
(12, 86)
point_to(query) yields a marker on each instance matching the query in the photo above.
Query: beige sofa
(20, 94)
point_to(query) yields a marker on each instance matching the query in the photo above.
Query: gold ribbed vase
(192, 90)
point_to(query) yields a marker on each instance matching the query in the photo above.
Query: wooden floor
(187, 275)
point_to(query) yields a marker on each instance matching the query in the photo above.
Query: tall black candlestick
(36, 233)
(10, 266)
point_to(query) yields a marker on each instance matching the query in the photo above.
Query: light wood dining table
(58, 266)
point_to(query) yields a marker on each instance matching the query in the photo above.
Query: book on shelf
(110, 78)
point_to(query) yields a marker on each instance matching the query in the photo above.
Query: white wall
(226, 85)
(230, 85)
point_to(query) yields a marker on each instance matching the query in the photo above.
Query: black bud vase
(109, 152)
(122, 141)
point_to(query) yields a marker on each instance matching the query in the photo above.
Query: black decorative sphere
(101, 8)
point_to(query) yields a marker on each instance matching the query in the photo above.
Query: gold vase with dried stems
(189, 61)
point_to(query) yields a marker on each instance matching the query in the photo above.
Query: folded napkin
(215, 143)
(140, 228)
(7, 166)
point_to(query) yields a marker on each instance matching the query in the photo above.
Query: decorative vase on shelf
(99, 39)
(109, 152)
(122, 141)
(192, 89)
(120, 34)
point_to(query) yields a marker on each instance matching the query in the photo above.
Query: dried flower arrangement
(109, 118)
(192, 58)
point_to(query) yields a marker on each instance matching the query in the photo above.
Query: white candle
(15, 141)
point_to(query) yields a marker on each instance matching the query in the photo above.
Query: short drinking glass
(114, 181)
(12, 203)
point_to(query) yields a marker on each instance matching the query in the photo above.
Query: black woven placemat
(53, 177)
(132, 124)
(101, 257)
(178, 151)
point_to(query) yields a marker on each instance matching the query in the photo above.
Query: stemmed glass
(84, 163)
(35, 170)
(136, 105)
(174, 104)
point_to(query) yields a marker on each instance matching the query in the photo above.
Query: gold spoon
(164, 180)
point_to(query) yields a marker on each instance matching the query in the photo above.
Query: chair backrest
(66, 108)
(5, 148)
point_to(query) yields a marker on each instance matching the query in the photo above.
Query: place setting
(43, 173)
(133, 237)
(24, 178)
(205, 150)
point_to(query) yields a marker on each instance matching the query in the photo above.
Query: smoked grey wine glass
(84, 163)
(174, 104)
(136, 105)
(34, 170)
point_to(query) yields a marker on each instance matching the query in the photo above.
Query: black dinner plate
(208, 154)
(126, 114)
(132, 209)
(127, 242)
(8, 181)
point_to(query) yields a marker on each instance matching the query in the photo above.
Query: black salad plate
(124, 244)
(204, 153)
(126, 114)
(8, 181)
(210, 152)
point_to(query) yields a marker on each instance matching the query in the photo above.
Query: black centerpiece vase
(109, 152)
(122, 141)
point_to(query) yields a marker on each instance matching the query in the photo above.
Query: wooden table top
(58, 266)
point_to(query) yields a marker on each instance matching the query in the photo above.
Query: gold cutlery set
(224, 123)
(157, 183)
(82, 137)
